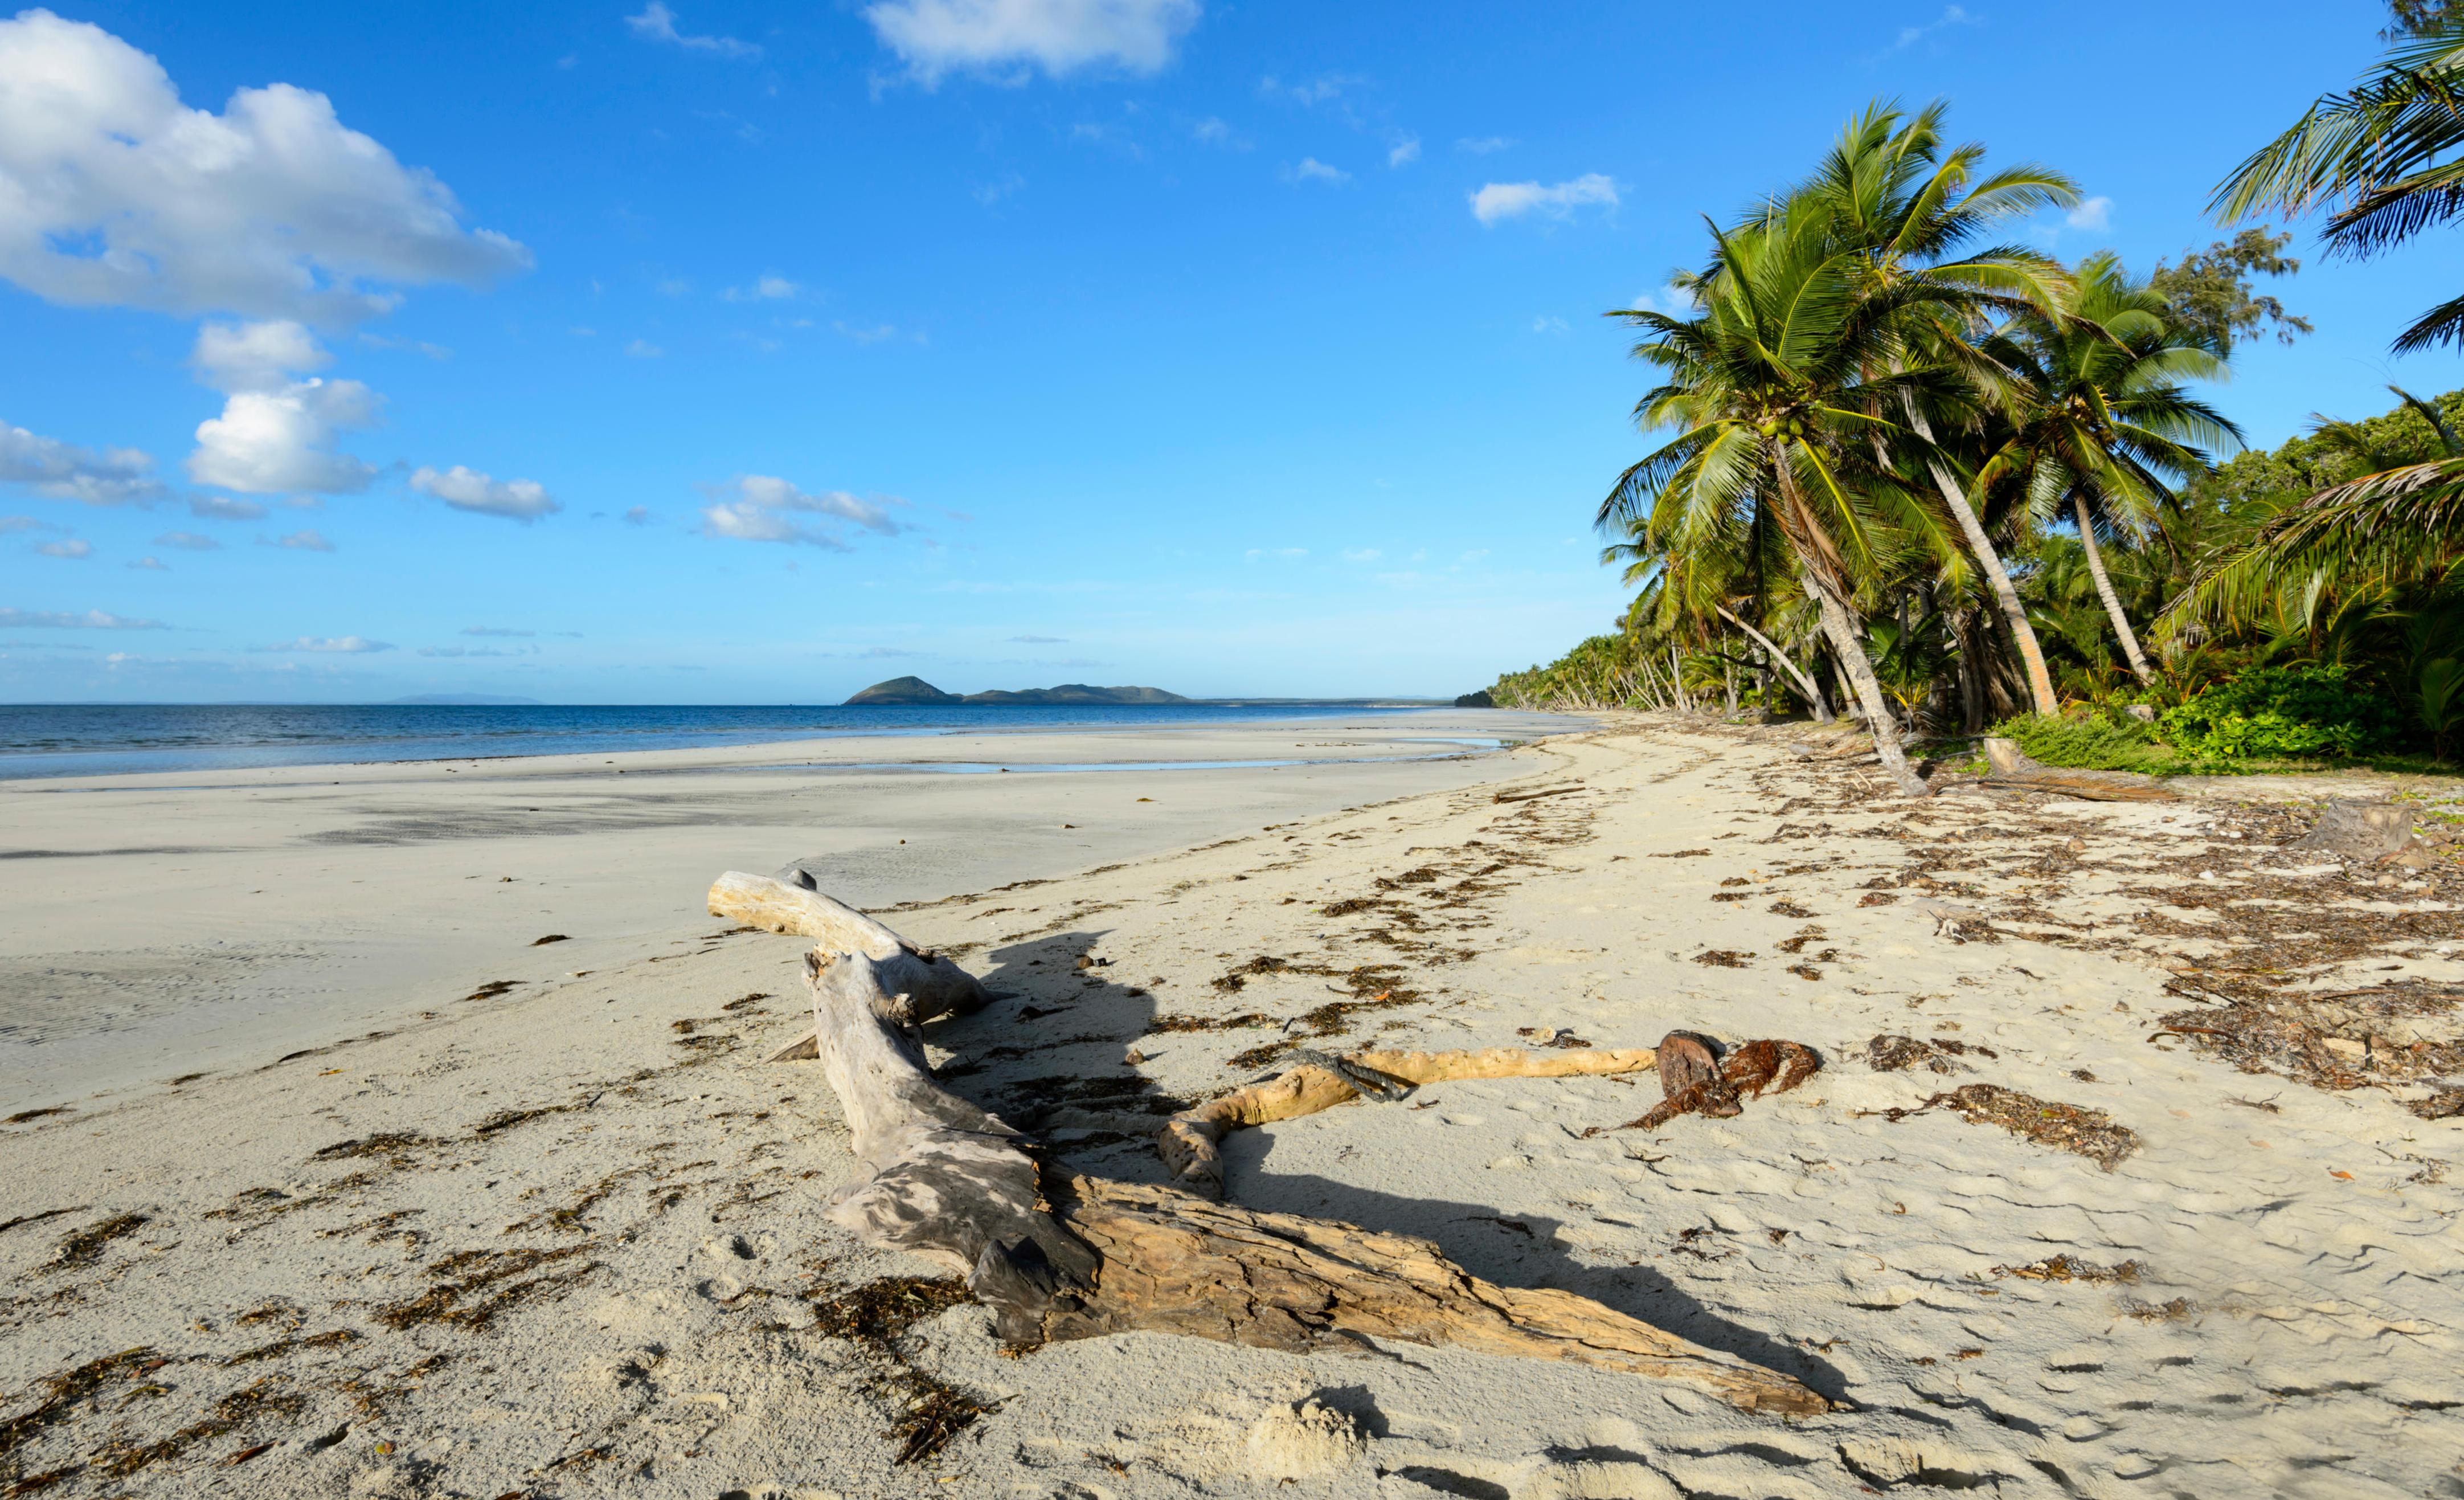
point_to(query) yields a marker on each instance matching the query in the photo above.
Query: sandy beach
(290, 1215)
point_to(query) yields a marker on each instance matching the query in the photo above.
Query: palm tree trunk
(2041, 682)
(1879, 721)
(1806, 685)
(2104, 590)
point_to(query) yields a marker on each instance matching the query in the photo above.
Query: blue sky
(739, 352)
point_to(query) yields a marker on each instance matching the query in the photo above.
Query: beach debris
(2358, 831)
(84, 1246)
(2013, 767)
(875, 1318)
(541, 942)
(1897, 1054)
(1694, 1084)
(1551, 791)
(2065, 1268)
(2065, 1127)
(1056, 1256)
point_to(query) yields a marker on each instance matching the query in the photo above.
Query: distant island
(914, 692)
(460, 700)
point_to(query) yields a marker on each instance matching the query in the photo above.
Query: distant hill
(1078, 692)
(460, 700)
(913, 690)
(904, 691)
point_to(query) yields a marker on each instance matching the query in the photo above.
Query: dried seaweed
(2065, 1127)
(2064, 1268)
(1895, 1054)
(85, 1247)
(930, 1412)
(474, 1287)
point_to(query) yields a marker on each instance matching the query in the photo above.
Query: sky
(736, 352)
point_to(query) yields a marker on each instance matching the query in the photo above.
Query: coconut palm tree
(1771, 386)
(2385, 158)
(2104, 427)
(1907, 205)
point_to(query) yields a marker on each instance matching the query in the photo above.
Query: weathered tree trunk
(2104, 591)
(2013, 766)
(1806, 685)
(1058, 1256)
(925, 986)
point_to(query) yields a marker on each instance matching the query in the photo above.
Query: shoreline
(283, 907)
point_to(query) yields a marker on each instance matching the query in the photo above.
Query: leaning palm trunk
(2041, 682)
(1806, 685)
(2104, 591)
(1880, 720)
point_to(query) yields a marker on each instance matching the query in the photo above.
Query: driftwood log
(1059, 1256)
(2013, 766)
(928, 986)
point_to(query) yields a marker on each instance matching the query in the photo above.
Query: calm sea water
(101, 739)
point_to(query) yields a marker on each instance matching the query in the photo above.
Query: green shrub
(2280, 712)
(2107, 739)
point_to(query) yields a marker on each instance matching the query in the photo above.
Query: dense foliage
(1907, 470)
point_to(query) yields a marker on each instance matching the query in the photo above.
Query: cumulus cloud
(644, 350)
(309, 540)
(524, 501)
(273, 435)
(936, 37)
(1482, 146)
(2095, 216)
(114, 193)
(56, 619)
(1311, 169)
(1404, 152)
(638, 516)
(755, 507)
(187, 541)
(74, 547)
(1497, 201)
(344, 644)
(9, 525)
(659, 24)
(216, 507)
(63, 470)
(151, 565)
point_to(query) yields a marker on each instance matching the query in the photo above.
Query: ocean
(41, 740)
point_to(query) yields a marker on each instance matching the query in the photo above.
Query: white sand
(2293, 1330)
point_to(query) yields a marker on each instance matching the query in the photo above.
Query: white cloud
(1317, 90)
(2095, 216)
(214, 507)
(114, 193)
(936, 37)
(873, 335)
(90, 620)
(1311, 169)
(638, 516)
(273, 432)
(151, 565)
(10, 525)
(64, 472)
(756, 507)
(1404, 152)
(305, 540)
(1363, 555)
(497, 631)
(478, 650)
(524, 501)
(345, 645)
(188, 542)
(765, 288)
(1212, 131)
(1547, 323)
(644, 350)
(659, 24)
(1041, 640)
(1482, 146)
(1256, 553)
(1497, 201)
(68, 548)
(1910, 35)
